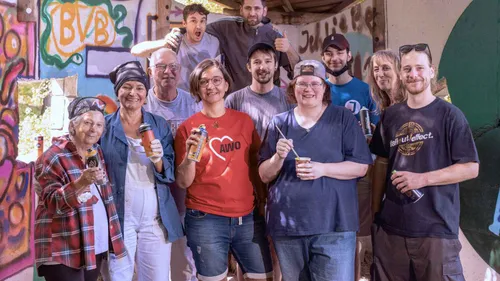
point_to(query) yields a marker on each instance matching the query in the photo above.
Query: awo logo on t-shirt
(219, 148)
(410, 138)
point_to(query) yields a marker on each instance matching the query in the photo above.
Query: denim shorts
(321, 257)
(211, 237)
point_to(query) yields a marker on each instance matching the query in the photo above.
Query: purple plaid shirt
(64, 228)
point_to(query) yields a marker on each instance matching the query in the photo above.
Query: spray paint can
(147, 136)
(195, 152)
(364, 116)
(39, 145)
(413, 194)
(93, 161)
(180, 35)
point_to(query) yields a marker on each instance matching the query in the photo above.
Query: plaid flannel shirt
(64, 228)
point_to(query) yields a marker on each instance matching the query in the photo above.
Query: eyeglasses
(420, 47)
(216, 81)
(314, 85)
(172, 66)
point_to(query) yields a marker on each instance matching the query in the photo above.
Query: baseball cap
(337, 40)
(259, 46)
(309, 67)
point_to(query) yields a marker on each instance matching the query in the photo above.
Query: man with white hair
(175, 105)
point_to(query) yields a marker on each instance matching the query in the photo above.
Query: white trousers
(145, 240)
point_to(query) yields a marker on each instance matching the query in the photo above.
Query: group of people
(285, 180)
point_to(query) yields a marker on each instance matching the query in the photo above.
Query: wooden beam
(379, 29)
(345, 4)
(27, 11)
(287, 6)
(292, 18)
(319, 9)
(231, 4)
(163, 8)
(316, 3)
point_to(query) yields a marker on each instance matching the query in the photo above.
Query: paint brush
(283, 136)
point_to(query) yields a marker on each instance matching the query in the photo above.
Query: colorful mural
(71, 26)
(88, 38)
(17, 49)
(17, 59)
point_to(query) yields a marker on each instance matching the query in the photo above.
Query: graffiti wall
(17, 59)
(89, 38)
(356, 24)
(17, 49)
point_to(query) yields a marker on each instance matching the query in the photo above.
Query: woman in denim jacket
(146, 209)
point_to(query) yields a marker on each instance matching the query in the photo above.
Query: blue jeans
(322, 257)
(211, 237)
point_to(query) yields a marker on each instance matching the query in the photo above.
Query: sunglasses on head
(420, 47)
(97, 105)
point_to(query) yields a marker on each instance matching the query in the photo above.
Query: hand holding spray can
(413, 194)
(179, 35)
(93, 161)
(366, 125)
(147, 136)
(195, 152)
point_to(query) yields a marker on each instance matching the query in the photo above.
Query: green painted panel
(470, 63)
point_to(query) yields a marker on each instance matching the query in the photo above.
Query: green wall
(471, 64)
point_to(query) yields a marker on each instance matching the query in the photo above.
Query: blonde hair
(381, 98)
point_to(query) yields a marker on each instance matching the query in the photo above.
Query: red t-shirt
(228, 166)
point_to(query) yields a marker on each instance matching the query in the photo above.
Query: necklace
(216, 124)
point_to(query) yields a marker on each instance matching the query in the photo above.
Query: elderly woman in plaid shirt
(76, 221)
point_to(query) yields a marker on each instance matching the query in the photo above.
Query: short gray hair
(158, 53)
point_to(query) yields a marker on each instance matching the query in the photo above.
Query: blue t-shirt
(296, 207)
(354, 95)
(422, 140)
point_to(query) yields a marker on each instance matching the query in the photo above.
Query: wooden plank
(379, 28)
(27, 11)
(232, 4)
(292, 18)
(274, 4)
(163, 8)
(345, 5)
(319, 9)
(315, 4)
(287, 6)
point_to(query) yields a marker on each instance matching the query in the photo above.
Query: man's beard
(264, 79)
(254, 22)
(416, 91)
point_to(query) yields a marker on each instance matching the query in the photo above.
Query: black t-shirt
(423, 140)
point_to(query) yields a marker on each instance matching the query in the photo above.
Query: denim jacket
(115, 149)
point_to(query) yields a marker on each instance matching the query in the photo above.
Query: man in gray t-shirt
(262, 99)
(195, 44)
(175, 105)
